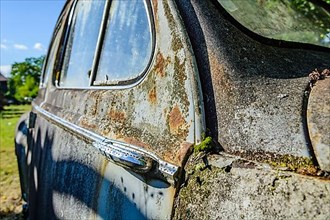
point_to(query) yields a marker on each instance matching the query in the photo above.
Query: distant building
(3, 90)
(3, 84)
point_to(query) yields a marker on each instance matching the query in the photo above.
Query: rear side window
(50, 63)
(109, 43)
(127, 46)
(81, 44)
(290, 20)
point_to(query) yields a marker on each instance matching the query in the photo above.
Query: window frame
(60, 28)
(125, 84)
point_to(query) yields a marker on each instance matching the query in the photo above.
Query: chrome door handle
(122, 155)
(136, 159)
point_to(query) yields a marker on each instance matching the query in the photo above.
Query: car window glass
(81, 43)
(290, 20)
(49, 67)
(127, 46)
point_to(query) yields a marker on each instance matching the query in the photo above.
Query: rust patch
(169, 16)
(165, 111)
(184, 152)
(317, 75)
(155, 6)
(161, 63)
(170, 157)
(117, 116)
(176, 120)
(85, 123)
(176, 43)
(179, 83)
(136, 142)
(94, 95)
(152, 96)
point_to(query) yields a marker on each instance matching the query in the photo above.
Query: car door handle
(122, 155)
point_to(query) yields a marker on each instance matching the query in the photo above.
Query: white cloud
(3, 46)
(20, 47)
(5, 70)
(38, 46)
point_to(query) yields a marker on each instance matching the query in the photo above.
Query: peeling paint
(85, 123)
(161, 64)
(176, 120)
(152, 96)
(117, 116)
(136, 142)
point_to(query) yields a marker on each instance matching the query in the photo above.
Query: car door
(118, 112)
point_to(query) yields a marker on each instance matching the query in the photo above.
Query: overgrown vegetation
(10, 194)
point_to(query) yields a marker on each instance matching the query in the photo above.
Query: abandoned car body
(172, 109)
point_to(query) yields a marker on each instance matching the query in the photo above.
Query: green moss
(200, 167)
(205, 145)
(299, 164)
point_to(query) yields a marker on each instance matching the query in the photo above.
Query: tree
(24, 80)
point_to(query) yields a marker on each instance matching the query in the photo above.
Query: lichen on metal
(232, 187)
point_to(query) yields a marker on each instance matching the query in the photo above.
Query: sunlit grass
(10, 201)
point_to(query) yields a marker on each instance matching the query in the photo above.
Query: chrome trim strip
(123, 154)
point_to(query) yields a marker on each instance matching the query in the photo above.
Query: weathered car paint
(69, 179)
(160, 113)
(256, 90)
(125, 155)
(72, 173)
(255, 99)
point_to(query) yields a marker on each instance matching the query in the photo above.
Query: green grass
(10, 201)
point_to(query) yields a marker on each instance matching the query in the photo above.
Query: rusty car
(181, 109)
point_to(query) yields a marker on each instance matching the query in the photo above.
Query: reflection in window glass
(300, 21)
(49, 68)
(127, 46)
(81, 44)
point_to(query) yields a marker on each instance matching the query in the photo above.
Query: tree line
(23, 83)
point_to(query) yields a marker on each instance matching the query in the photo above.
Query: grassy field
(10, 194)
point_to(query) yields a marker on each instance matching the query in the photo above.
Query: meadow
(10, 192)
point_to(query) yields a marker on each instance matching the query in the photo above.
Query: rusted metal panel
(318, 119)
(161, 117)
(161, 112)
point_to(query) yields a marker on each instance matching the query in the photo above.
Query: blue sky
(25, 29)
